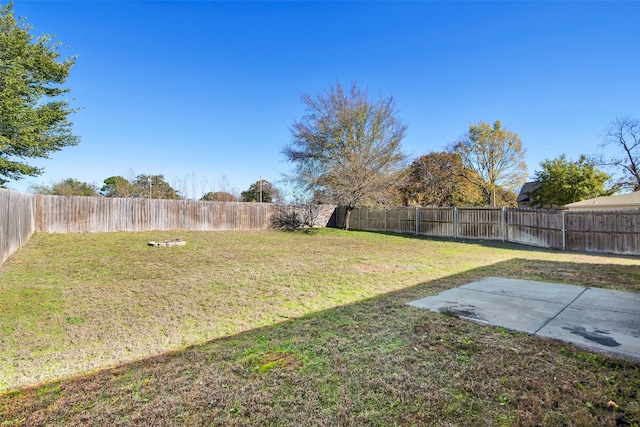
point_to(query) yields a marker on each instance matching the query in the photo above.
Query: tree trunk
(347, 214)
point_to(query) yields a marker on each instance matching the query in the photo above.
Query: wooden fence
(57, 214)
(615, 232)
(22, 214)
(17, 221)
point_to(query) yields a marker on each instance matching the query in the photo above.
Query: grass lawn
(277, 328)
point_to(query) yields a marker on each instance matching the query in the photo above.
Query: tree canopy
(622, 142)
(33, 114)
(347, 147)
(219, 196)
(153, 187)
(437, 179)
(67, 187)
(496, 158)
(562, 181)
(270, 193)
(117, 186)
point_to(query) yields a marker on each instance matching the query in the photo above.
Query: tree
(117, 186)
(269, 193)
(219, 196)
(67, 187)
(33, 114)
(562, 181)
(623, 136)
(437, 179)
(153, 187)
(496, 158)
(347, 148)
(506, 198)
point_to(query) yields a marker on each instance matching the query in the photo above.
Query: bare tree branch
(621, 139)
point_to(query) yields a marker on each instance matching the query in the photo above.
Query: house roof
(527, 188)
(622, 201)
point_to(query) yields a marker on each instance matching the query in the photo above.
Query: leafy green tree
(117, 186)
(67, 187)
(33, 114)
(437, 179)
(153, 187)
(347, 147)
(562, 181)
(496, 158)
(219, 196)
(269, 193)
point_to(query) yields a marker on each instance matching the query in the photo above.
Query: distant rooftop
(622, 201)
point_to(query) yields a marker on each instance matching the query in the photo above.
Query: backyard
(290, 328)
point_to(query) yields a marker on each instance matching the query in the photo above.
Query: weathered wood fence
(17, 221)
(22, 214)
(607, 232)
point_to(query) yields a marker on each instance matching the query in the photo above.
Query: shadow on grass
(489, 243)
(376, 361)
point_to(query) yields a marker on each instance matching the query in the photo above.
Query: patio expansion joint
(561, 311)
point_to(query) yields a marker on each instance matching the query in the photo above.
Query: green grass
(276, 328)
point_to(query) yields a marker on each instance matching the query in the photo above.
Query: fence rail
(615, 232)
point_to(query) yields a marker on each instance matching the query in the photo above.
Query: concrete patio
(599, 320)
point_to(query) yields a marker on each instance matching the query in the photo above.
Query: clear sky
(198, 90)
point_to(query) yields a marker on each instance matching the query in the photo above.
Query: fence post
(455, 222)
(417, 220)
(564, 233)
(504, 225)
(385, 219)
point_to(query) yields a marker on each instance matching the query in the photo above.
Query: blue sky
(199, 90)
